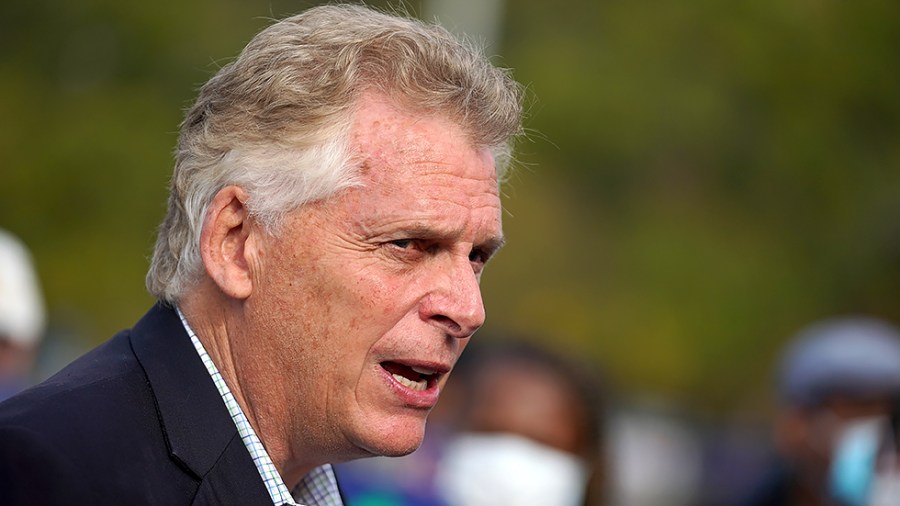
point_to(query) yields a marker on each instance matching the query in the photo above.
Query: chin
(393, 438)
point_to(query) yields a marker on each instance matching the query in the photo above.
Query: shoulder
(92, 428)
(85, 408)
(59, 434)
(26, 460)
(99, 388)
(107, 378)
(138, 419)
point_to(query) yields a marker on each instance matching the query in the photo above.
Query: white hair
(276, 121)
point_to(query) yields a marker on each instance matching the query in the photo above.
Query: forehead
(385, 135)
(418, 161)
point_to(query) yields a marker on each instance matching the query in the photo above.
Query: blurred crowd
(522, 424)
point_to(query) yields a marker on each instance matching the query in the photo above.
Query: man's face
(362, 305)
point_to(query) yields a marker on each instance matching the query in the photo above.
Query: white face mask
(509, 470)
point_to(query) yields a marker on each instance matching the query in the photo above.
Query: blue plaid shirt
(318, 487)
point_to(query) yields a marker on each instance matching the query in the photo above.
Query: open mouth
(412, 377)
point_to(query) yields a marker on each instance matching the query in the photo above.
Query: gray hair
(276, 120)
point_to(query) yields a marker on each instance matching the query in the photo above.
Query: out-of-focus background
(700, 180)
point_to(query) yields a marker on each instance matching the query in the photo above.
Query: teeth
(415, 385)
(422, 370)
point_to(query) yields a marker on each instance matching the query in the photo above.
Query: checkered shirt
(318, 487)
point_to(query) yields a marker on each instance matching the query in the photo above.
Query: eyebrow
(493, 245)
(422, 231)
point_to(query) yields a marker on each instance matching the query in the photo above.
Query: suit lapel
(200, 434)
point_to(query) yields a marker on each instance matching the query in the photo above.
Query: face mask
(509, 470)
(853, 461)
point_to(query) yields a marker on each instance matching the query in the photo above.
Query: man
(333, 204)
(838, 379)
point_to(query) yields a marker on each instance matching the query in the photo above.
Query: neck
(221, 328)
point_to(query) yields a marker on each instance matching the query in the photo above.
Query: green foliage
(727, 172)
(703, 178)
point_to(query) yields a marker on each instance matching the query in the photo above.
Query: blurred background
(700, 180)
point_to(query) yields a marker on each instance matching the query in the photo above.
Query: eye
(407, 249)
(411, 249)
(402, 243)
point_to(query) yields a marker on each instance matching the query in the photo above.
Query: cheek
(360, 299)
(343, 299)
(378, 296)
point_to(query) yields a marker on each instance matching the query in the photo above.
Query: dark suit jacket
(136, 421)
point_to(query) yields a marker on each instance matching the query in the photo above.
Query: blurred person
(22, 316)
(865, 468)
(334, 201)
(838, 380)
(530, 432)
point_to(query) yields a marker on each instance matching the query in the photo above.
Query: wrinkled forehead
(394, 149)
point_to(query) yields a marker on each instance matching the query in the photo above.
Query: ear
(227, 242)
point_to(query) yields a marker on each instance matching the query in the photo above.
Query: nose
(454, 302)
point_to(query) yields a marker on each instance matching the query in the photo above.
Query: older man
(333, 205)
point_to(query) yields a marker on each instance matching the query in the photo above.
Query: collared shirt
(317, 488)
